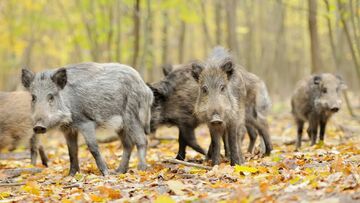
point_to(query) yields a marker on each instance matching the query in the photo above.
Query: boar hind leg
(313, 129)
(300, 127)
(88, 130)
(252, 135)
(182, 148)
(226, 145)
(127, 149)
(190, 139)
(141, 145)
(43, 157)
(71, 137)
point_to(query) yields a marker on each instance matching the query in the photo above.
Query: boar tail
(145, 111)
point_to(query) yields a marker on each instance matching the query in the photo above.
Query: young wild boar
(315, 99)
(221, 104)
(16, 124)
(173, 105)
(82, 97)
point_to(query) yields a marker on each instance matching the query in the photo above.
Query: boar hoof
(122, 170)
(179, 157)
(142, 167)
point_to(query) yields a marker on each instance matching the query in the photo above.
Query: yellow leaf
(294, 180)
(96, 198)
(4, 195)
(247, 169)
(164, 199)
(31, 187)
(109, 192)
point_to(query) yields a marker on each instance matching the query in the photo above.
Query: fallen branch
(292, 142)
(75, 185)
(11, 184)
(175, 161)
(116, 138)
(17, 172)
(15, 156)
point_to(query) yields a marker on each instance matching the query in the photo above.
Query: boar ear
(196, 70)
(27, 77)
(317, 79)
(60, 78)
(228, 68)
(167, 68)
(342, 84)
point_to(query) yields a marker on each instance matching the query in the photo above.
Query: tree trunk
(316, 63)
(164, 40)
(336, 55)
(231, 17)
(218, 18)
(181, 42)
(349, 40)
(136, 19)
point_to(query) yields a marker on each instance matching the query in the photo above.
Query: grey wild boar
(174, 101)
(16, 124)
(257, 105)
(82, 97)
(221, 104)
(315, 100)
(174, 106)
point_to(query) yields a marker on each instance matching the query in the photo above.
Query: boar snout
(39, 128)
(334, 109)
(216, 120)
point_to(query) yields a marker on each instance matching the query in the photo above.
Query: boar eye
(222, 88)
(33, 98)
(324, 90)
(204, 89)
(50, 98)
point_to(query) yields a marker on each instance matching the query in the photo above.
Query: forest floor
(328, 172)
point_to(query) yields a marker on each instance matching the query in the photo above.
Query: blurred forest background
(280, 40)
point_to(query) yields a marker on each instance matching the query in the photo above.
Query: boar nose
(334, 109)
(216, 120)
(39, 129)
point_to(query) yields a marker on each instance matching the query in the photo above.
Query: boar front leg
(34, 142)
(71, 137)
(214, 148)
(322, 129)
(127, 149)
(88, 130)
(235, 153)
(300, 127)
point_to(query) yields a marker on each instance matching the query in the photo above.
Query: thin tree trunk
(147, 55)
(164, 44)
(136, 19)
(316, 62)
(336, 56)
(231, 17)
(349, 40)
(218, 18)
(181, 42)
(206, 38)
(118, 57)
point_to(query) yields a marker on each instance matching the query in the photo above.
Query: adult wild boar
(82, 97)
(221, 104)
(16, 124)
(316, 99)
